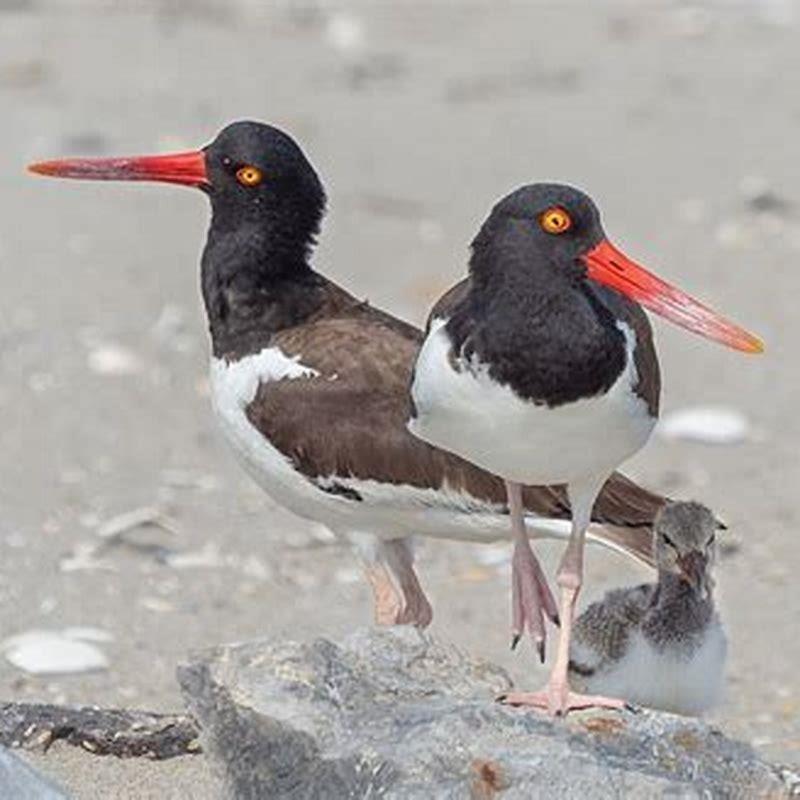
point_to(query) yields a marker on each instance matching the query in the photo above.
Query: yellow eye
(555, 220)
(249, 176)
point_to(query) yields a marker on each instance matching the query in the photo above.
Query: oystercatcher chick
(660, 644)
(310, 384)
(540, 368)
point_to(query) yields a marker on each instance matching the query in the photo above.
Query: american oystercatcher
(540, 368)
(662, 644)
(310, 384)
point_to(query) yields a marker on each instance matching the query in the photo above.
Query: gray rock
(394, 714)
(21, 782)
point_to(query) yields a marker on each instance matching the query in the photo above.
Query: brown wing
(350, 421)
(448, 301)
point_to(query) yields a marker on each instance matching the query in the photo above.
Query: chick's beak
(693, 569)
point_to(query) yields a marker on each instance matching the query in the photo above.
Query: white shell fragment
(46, 652)
(208, 557)
(708, 424)
(345, 33)
(113, 359)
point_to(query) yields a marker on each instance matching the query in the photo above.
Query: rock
(21, 782)
(123, 733)
(393, 713)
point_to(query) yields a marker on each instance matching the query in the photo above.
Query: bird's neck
(547, 336)
(255, 283)
(678, 613)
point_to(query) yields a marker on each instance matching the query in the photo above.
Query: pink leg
(556, 698)
(385, 598)
(531, 598)
(398, 596)
(416, 607)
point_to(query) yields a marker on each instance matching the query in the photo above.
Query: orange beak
(186, 169)
(611, 267)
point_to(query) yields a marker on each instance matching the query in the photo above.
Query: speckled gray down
(393, 713)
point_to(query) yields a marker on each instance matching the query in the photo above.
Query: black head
(545, 228)
(258, 177)
(264, 192)
(551, 233)
(267, 206)
(268, 203)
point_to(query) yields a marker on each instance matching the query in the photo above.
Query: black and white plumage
(310, 384)
(660, 645)
(541, 368)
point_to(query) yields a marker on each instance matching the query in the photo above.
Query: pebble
(84, 558)
(492, 555)
(129, 520)
(189, 479)
(156, 605)
(322, 533)
(761, 197)
(114, 359)
(170, 329)
(49, 652)
(345, 33)
(707, 424)
(208, 556)
(347, 575)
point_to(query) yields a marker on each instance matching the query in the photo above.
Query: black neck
(541, 328)
(255, 282)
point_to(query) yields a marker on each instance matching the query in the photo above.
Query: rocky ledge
(395, 714)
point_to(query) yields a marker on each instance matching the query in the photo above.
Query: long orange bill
(611, 267)
(186, 169)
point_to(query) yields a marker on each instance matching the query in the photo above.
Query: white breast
(233, 387)
(670, 680)
(466, 412)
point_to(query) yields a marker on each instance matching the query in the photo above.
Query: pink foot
(557, 701)
(399, 599)
(531, 597)
(417, 610)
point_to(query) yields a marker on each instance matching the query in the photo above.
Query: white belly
(670, 681)
(486, 423)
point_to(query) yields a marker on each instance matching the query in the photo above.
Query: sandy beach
(680, 119)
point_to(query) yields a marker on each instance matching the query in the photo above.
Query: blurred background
(122, 512)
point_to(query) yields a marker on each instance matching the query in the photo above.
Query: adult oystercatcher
(310, 384)
(540, 368)
(660, 644)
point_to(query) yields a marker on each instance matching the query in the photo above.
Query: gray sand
(418, 118)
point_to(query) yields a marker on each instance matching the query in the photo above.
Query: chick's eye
(669, 542)
(555, 220)
(249, 176)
